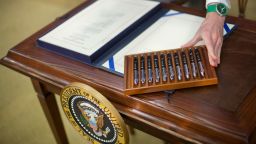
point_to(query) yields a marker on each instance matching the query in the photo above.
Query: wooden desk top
(225, 113)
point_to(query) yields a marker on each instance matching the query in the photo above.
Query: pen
(177, 64)
(142, 69)
(192, 61)
(150, 73)
(199, 61)
(156, 68)
(169, 62)
(164, 75)
(185, 64)
(135, 70)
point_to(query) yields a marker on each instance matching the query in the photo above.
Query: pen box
(168, 70)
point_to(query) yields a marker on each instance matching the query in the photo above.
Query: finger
(210, 47)
(193, 41)
(220, 43)
(218, 48)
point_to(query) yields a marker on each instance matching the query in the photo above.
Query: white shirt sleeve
(226, 2)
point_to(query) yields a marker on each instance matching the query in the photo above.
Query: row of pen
(168, 66)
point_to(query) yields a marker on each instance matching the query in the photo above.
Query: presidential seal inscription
(92, 115)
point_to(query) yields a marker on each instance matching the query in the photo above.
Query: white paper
(97, 24)
(169, 32)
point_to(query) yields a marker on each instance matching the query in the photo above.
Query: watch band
(219, 8)
(212, 8)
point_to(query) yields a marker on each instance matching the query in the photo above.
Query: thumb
(193, 41)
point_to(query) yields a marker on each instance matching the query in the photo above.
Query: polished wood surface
(223, 113)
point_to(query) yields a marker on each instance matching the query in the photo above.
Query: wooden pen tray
(168, 63)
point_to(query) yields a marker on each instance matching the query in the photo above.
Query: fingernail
(211, 63)
(214, 64)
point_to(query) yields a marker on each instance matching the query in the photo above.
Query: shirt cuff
(225, 2)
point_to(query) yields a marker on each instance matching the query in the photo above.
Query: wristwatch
(220, 8)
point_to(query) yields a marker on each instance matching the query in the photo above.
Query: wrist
(215, 16)
(214, 19)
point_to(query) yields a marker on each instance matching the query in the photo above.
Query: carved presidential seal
(92, 115)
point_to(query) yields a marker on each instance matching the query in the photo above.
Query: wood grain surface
(223, 113)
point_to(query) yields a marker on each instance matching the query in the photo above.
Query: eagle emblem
(93, 118)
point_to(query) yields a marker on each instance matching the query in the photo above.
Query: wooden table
(225, 113)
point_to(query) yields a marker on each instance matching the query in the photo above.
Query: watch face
(222, 9)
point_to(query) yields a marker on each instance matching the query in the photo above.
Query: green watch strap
(212, 8)
(220, 8)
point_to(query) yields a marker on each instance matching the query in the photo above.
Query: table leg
(51, 111)
(131, 130)
(242, 7)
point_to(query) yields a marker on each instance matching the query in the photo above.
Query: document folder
(95, 29)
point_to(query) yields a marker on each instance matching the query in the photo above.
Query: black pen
(135, 70)
(169, 62)
(199, 61)
(192, 61)
(164, 75)
(150, 73)
(177, 64)
(185, 64)
(142, 69)
(156, 65)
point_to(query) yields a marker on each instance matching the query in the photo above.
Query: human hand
(211, 32)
